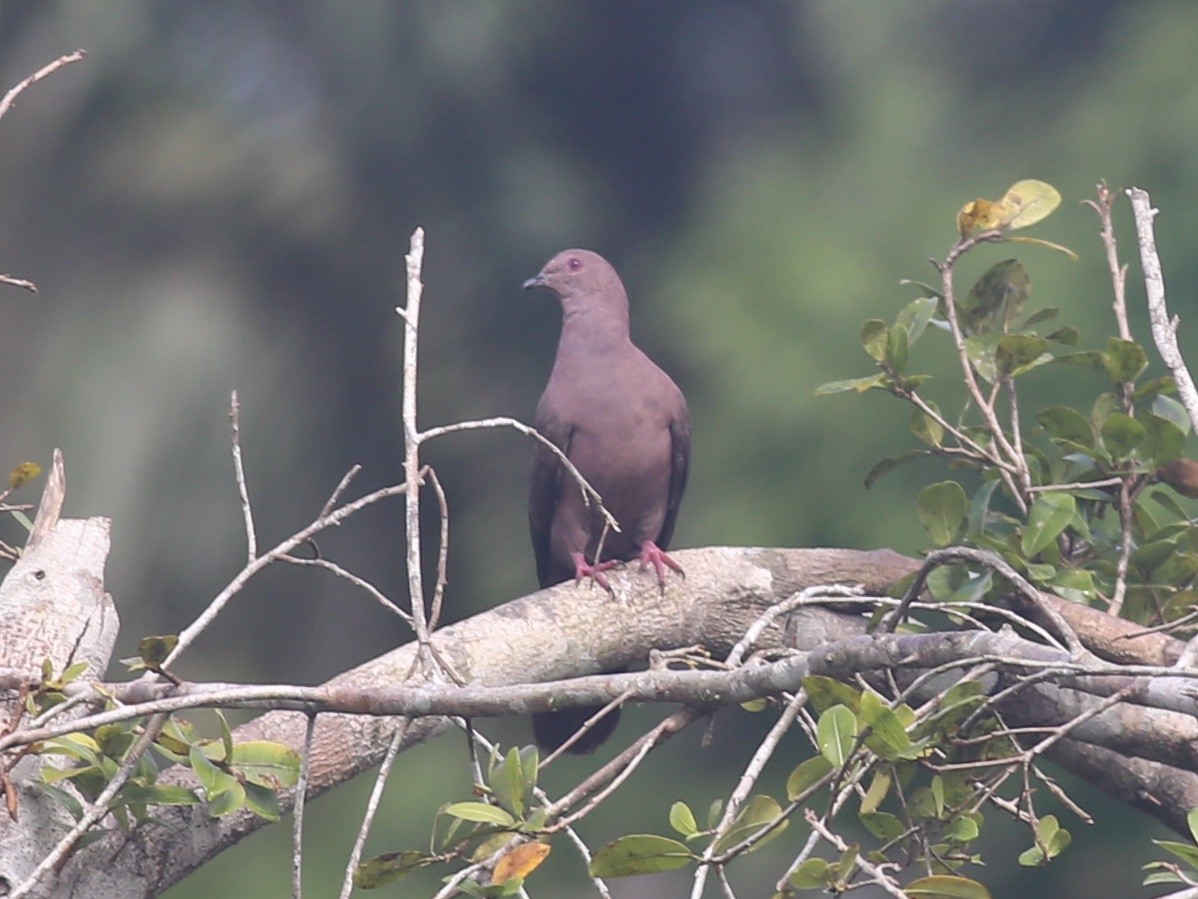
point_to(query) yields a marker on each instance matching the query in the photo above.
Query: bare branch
(1164, 330)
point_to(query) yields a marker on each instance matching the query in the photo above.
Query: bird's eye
(574, 264)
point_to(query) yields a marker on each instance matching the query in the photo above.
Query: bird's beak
(537, 280)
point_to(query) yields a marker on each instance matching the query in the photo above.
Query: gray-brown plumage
(625, 426)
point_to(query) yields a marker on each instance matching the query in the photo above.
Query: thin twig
(748, 779)
(374, 592)
(412, 468)
(98, 810)
(243, 490)
(1013, 465)
(297, 828)
(48, 69)
(188, 635)
(341, 487)
(1164, 330)
(873, 871)
(434, 615)
(372, 806)
(589, 493)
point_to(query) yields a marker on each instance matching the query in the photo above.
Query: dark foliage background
(221, 195)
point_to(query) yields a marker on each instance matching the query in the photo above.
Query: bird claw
(653, 555)
(583, 568)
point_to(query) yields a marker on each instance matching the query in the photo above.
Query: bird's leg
(651, 554)
(583, 568)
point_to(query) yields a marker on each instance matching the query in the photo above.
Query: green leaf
(1124, 360)
(1041, 315)
(946, 886)
(262, 801)
(941, 510)
(1164, 440)
(860, 385)
(980, 351)
(836, 733)
(1048, 517)
(1091, 359)
(825, 692)
(962, 830)
(1017, 351)
(875, 334)
(212, 779)
(1187, 852)
(813, 874)
(883, 825)
(897, 350)
(756, 814)
(639, 854)
(886, 735)
(1192, 823)
(879, 788)
(154, 650)
(914, 317)
(227, 801)
(268, 764)
(1122, 435)
(806, 776)
(1154, 387)
(385, 869)
(1051, 841)
(225, 736)
(996, 298)
(480, 812)
(979, 507)
(507, 783)
(1064, 336)
(682, 819)
(1171, 410)
(927, 428)
(1066, 424)
(893, 462)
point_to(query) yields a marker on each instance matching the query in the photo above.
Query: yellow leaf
(24, 472)
(979, 215)
(520, 862)
(1027, 202)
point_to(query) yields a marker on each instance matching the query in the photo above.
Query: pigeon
(625, 426)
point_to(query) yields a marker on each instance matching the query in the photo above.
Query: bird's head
(575, 272)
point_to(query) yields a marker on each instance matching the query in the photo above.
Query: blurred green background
(220, 196)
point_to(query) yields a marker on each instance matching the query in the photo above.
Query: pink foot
(652, 555)
(583, 568)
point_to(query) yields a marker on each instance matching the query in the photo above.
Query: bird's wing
(680, 460)
(547, 471)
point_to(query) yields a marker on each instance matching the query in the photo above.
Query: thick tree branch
(570, 631)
